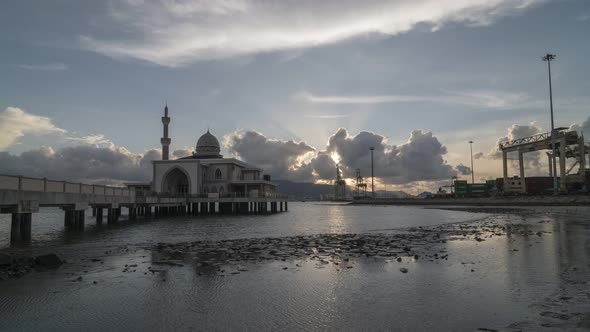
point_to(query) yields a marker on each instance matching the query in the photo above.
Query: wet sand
(516, 269)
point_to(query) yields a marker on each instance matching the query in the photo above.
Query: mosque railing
(145, 196)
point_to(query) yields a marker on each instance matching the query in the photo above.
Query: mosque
(206, 172)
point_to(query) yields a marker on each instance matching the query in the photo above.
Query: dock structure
(564, 144)
(22, 196)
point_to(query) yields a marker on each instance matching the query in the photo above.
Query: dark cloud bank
(418, 159)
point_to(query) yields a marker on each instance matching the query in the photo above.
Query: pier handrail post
(80, 187)
(64, 185)
(44, 185)
(20, 183)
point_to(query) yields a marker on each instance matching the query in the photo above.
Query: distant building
(206, 171)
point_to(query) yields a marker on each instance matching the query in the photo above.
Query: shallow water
(302, 219)
(507, 286)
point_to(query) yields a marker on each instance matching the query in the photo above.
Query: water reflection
(374, 295)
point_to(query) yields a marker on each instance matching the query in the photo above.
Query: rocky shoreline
(16, 266)
(412, 244)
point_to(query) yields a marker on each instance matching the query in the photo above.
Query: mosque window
(218, 174)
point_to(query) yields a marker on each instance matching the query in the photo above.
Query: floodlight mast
(548, 58)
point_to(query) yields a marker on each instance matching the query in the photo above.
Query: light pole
(548, 58)
(472, 175)
(372, 174)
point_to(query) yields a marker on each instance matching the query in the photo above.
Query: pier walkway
(22, 196)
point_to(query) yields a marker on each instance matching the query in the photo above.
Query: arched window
(221, 190)
(206, 190)
(218, 174)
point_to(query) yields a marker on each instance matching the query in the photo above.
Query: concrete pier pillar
(281, 206)
(286, 206)
(521, 168)
(212, 207)
(505, 168)
(581, 149)
(79, 217)
(112, 215)
(550, 163)
(132, 213)
(94, 212)
(148, 211)
(99, 215)
(20, 230)
(562, 171)
(69, 218)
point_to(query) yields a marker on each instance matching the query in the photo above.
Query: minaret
(165, 140)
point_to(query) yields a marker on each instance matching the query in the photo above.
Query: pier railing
(24, 183)
(36, 185)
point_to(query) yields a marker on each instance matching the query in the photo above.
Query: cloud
(16, 122)
(583, 128)
(174, 33)
(463, 170)
(479, 155)
(326, 116)
(45, 67)
(96, 140)
(85, 163)
(534, 162)
(486, 99)
(515, 132)
(418, 159)
(181, 153)
(282, 159)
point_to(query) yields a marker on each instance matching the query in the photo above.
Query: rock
(403, 270)
(5, 260)
(49, 260)
(399, 259)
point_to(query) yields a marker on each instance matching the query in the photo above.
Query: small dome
(208, 145)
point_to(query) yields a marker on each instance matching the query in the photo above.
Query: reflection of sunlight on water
(336, 219)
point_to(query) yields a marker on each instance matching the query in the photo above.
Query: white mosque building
(206, 172)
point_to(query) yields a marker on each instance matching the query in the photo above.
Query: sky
(293, 86)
